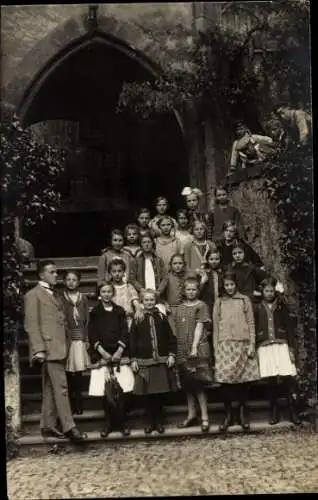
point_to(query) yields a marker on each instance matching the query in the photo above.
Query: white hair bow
(188, 190)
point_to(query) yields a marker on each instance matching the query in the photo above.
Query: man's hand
(170, 361)
(194, 352)
(39, 356)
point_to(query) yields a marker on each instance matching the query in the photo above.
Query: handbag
(198, 370)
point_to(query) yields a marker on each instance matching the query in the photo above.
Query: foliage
(289, 183)
(212, 71)
(28, 180)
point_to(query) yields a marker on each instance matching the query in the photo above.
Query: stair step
(169, 410)
(36, 440)
(72, 262)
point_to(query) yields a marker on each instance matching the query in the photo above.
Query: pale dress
(274, 360)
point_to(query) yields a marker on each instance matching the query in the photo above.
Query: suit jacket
(45, 324)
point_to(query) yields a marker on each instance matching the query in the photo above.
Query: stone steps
(36, 444)
(92, 420)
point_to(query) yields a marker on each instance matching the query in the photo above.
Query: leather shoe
(150, 428)
(160, 428)
(125, 431)
(52, 432)
(75, 435)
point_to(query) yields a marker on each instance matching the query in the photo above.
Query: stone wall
(23, 26)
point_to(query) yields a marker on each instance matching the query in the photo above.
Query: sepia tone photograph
(159, 312)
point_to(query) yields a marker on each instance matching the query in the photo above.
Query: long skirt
(156, 379)
(274, 360)
(78, 358)
(232, 364)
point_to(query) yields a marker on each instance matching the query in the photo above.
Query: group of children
(181, 300)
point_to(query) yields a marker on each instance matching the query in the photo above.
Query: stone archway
(76, 74)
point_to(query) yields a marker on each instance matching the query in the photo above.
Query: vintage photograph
(158, 255)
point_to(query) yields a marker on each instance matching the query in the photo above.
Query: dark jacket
(248, 276)
(108, 328)
(151, 346)
(159, 270)
(250, 254)
(274, 325)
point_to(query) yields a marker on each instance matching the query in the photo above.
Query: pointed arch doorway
(119, 164)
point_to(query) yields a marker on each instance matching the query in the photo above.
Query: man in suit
(45, 325)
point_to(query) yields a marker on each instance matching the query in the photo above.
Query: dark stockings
(154, 413)
(272, 394)
(227, 394)
(75, 392)
(115, 417)
(243, 394)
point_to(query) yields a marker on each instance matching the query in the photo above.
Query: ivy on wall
(29, 175)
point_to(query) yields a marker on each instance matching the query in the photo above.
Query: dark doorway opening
(119, 163)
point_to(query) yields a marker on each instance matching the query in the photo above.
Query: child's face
(191, 291)
(147, 244)
(117, 242)
(166, 227)
(214, 260)
(106, 293)
(183, 221)
(117, 273)
(71, 281)
(132, 236)
(149, 301)
(230, 287)
(199, 231)
(144, 220)
(162, 207)
(177, 265)
(269, 293)
(229, 233)
(221, 197)
(192, 201)
(238, 255)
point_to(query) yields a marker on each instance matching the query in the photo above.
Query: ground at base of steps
(264, 463)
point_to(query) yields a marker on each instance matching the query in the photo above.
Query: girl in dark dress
(231, 239)
(153, 349)
(276, 348)
(76, 313)
(109, 342)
